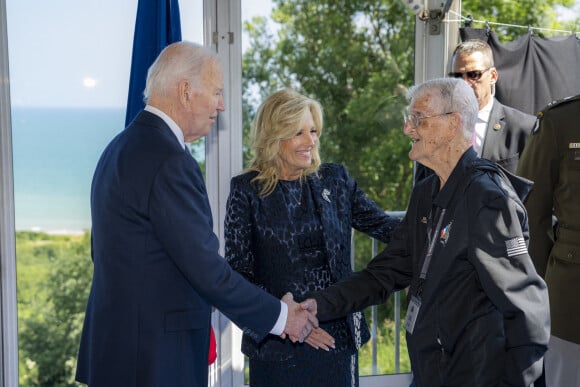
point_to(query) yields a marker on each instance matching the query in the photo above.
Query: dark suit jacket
(484, 315)
(253, 251)
(506, 135)
(157, 271)
(505, 138)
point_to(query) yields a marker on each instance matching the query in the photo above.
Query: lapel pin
(445, 233)
(325, 194)
(496, 126)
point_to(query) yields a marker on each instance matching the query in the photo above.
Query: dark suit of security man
(506, 135)
(552, 160)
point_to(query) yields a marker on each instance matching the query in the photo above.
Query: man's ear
(454, 126)
(494, 75)
(184, 90)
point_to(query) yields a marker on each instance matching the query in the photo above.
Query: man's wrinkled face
(426, 128)
(205, 103)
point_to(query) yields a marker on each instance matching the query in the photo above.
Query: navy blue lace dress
(297, 239)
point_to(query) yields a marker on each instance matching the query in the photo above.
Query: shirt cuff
(281, 323)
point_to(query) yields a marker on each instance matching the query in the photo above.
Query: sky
(78, 52)
(569, 14)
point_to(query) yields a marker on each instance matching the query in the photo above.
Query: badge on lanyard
(412, 312)
(415, 302)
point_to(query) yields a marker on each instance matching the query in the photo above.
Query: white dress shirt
(481, 127)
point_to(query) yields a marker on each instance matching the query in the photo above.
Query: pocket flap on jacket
(186, 319)
(566, 252)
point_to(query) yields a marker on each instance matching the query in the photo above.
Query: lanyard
(432, 237)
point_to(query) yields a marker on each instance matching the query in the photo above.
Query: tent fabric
(533, 71)
(157, 25)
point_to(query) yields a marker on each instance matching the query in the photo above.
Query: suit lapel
(325, 201)
(494, 132)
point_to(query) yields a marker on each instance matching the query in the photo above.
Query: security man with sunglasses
(501, 132)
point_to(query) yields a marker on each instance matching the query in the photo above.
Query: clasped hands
(302, 324)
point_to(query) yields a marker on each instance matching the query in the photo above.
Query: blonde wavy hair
(279, 118)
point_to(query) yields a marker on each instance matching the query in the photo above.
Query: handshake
(302, 324)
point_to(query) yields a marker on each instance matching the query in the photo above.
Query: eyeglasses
(474, 75)
(415, 121)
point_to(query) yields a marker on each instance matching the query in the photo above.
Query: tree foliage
(532, 13)
(356, 58)
(54, 276)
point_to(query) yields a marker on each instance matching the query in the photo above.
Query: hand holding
(310, 305)
(319, 338)
(300, 320)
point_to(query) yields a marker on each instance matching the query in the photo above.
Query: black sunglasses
(472, 75)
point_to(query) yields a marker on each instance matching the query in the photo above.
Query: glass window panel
(355, 61)
(69, 75)
(192, 29)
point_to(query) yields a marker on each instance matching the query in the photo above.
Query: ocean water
(55, 153)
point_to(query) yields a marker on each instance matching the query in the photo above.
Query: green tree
(52, 293)
(356, 58)
(533, 13)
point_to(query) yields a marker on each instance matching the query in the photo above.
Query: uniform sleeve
(238, 232)
(540, 164)
(499, 254)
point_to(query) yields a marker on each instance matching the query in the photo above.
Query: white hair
(455, 96)
(178, 61)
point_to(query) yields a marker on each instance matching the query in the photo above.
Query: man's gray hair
(178, 61)
(471, 46)
(455, 95)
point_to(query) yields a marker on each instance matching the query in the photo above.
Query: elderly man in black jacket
(478, 313)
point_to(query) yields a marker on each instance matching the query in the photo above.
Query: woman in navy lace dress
(288, 229)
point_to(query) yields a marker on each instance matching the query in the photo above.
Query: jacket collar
(442, 198)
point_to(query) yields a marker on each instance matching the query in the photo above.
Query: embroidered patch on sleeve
(516, 246)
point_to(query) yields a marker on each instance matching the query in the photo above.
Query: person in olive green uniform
(551, 159)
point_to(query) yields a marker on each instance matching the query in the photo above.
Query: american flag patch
(516, 246)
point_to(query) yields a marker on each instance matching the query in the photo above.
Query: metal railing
(374, 309)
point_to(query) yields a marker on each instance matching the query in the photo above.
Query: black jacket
(484, 317)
